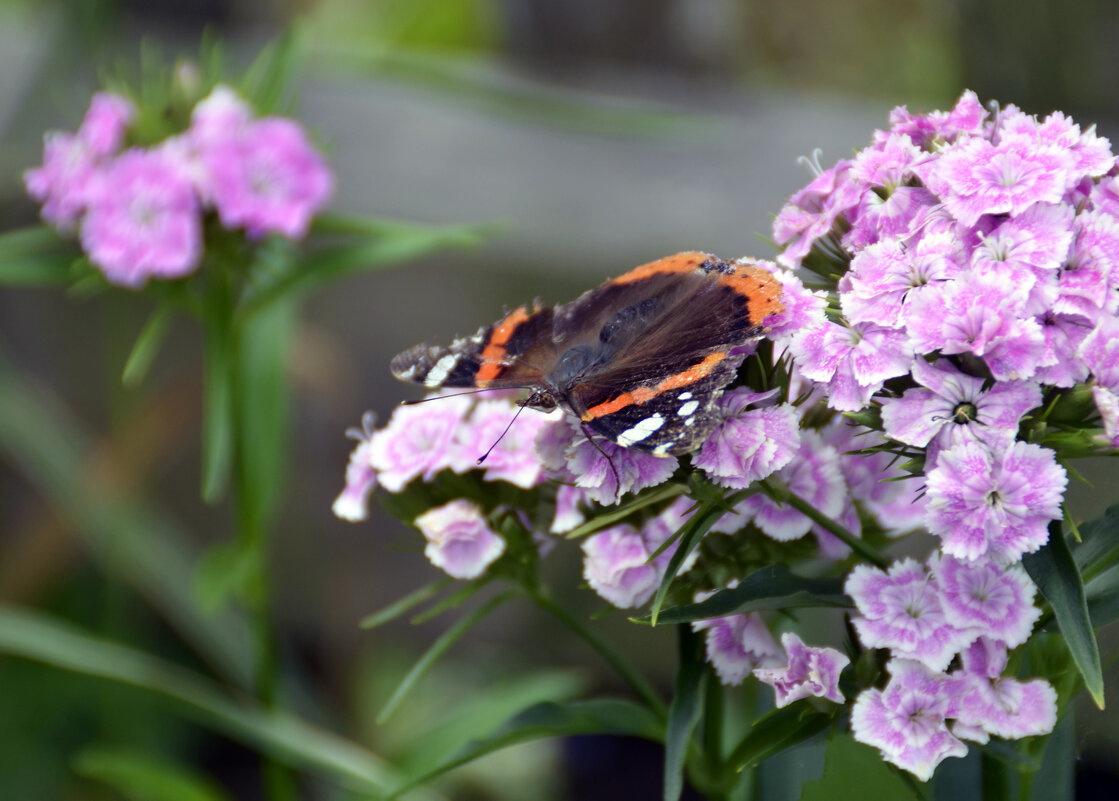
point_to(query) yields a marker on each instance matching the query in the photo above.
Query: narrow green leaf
(268, 78)
(260, 414)
(777, 731)
(35, 256)
(656, 495)
(217, 409)
(140, 777)
(1053, 570)
(768, 588)
(147, 345)
(405, 604)
(224, 572)
(1099, 546)
(687, 540)
(438, 648)
(552, 719)
(279, 734)
(391, 244)
(477, 716)
(849, 764)
(684, 711)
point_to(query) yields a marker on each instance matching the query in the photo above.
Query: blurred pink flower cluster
(138, 211)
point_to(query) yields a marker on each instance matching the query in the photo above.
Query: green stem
(785, 495)
(627, 673)
(996, 786)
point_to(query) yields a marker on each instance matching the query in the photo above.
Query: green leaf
(266, 81)
(260, 414)
(849, 765)
(1099, 546)
(438, 648)
(684, 711)
(476, 716)
(217, 406)
(277, 733)
(225, 571)
(140, 777)
(768, 588)
(147, 345)
(35, 256)
(609, 518)
(1054, 572)
(404, 605)
(552, 719)
(129, 540)
(1102, 594)
(777, 731)
(687, 540)
(387, 244)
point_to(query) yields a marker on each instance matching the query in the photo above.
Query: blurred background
(597, 134)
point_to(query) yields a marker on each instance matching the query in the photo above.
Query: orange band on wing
(643, 394)
(680, 263)
(495, 349)
(761, 290)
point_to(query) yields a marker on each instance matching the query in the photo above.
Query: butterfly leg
(609, 461)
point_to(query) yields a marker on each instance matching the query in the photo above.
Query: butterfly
(641, 359)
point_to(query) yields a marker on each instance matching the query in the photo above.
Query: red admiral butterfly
(640, 359)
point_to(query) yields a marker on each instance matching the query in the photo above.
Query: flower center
(964, 413)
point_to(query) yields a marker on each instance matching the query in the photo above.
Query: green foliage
(139, 777)
(1054, 572)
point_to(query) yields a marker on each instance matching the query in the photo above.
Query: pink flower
(977, 177)
(459, 539)
(749, 444)
(814, 475)
(616, 565)
(906, 721)
(989, 704)
(854, 361)
(901, 610)
(995, 504)
(565, 450)
(220, 115)
(994, 601)
(62, 183)
(266, 177)
(143, 220)
(418, 441)
(511, 448)
(105, 123)
(736, 644)
(361, 478)
(810, 672)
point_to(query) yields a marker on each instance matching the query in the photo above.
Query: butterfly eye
(540, 400)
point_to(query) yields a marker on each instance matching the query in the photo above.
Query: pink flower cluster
(974, 610)
(138, 210)
(983, 253)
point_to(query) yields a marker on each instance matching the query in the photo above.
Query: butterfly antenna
(489, 450)
(609, 461)
(455, 395)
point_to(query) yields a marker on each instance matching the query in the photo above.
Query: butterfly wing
(669, 351)
(513, 352)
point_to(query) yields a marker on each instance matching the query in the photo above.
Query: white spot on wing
(662, 449)
(407, 373)
(441, 370)
(641, 431)
(689, 421)
(688, 409)
(684, 396)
